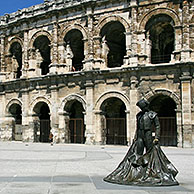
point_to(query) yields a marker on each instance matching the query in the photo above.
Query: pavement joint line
(8, 183)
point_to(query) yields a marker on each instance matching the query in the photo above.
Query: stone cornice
(46, 8)
(87, 78)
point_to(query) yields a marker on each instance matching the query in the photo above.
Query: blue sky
(9, 6)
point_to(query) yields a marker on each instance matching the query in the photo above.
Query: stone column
(186, 109)
(89, 133)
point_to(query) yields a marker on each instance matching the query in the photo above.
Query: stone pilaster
(64, 127)
(128, 36)
(25, 112)
(186, 109)
(176, 56)
(143, 45)
(89, 54)
(128, 127)
(53, 68)
(186, 51)
(89, 133)
(25, 55)
(2, 50)
(133, 110)
(54, 114)
(100, 133)
(179, 127)
(133, 60)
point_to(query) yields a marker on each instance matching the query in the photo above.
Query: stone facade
(83, 65)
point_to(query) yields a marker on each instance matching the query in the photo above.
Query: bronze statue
(151, 168)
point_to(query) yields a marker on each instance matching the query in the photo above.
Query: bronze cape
(151, 169)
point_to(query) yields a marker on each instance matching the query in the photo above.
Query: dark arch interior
(42, 43)
(114, 33)
(75, 39)
(166, 109)
(16, 112)
(162, 36)
(164, 106)
(76, 123)
(114, 110)
(76, 110)
(16, 51)
(43, 112)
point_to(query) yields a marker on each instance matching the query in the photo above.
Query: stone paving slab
(36, 168)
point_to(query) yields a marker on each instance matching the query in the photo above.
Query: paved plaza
(39, 168)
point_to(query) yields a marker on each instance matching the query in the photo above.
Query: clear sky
(10, 6)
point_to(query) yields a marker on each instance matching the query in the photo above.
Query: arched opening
(165, 107)
(42, 44)
(16, 59)
(43, 112)
(113, 35)
(76, 122)
(74, 39)
(16, 112)
(161, 34)
(114, 111)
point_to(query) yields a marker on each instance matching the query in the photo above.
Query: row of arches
(114, 120)
(159, 35)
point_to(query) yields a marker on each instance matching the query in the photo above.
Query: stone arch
(13, 40)
(166, 92)
(73, 27)
(37, 34)
(36, 101)
(108, 121)
(11, 102)
(106, 19)
(112, 40)
(71, 115)
(72, 97)
(166, 103)
(167, 11)
(111, 94)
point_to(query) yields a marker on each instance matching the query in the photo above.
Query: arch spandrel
(37, 34)
(147, 16)
(72, 97)
(112, 94)
(106, 19)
